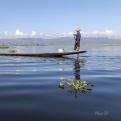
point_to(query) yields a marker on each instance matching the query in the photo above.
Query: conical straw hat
(78, 29)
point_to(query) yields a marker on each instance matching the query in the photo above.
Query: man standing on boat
(77, 38)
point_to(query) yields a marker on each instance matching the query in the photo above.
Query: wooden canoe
(57, 54)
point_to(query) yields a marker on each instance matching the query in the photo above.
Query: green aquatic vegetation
(61, 83)
(115, 45)
(3, 46)
(118, 44)
(12, 49)
(61, 78)
(76, 85)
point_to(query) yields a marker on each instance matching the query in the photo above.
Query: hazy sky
(60, 15)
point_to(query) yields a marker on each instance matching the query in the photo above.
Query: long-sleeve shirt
(77, 36)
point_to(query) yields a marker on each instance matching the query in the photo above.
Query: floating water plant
(12, 49)
(61, 83)
(76, 85)
(115, 44)
(3, 46)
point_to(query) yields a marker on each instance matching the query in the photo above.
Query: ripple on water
(29, 87)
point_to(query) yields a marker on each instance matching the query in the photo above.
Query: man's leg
(75, 46)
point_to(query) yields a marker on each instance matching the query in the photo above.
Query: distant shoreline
(66, 41)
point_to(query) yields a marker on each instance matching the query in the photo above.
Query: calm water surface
(29, 88)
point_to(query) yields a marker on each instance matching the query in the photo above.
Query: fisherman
(77, 38)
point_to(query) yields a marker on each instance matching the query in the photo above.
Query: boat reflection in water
(74, 84)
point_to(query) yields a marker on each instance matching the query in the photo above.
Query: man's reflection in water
(77, 69)
(77, 65)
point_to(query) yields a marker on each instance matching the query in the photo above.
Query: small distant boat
(56, 54)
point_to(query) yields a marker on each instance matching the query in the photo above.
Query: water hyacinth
(12, 49)
(3, 46)
(77, 85)
(61, 83)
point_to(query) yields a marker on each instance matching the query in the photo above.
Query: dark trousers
(77, 44)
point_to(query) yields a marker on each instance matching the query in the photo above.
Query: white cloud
(6, 33)
(67, 34)
(64, 34)
(34, 33)
(107, 33)
(41, 33)
(19, 33)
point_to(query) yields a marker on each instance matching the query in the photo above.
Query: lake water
(29, 87)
